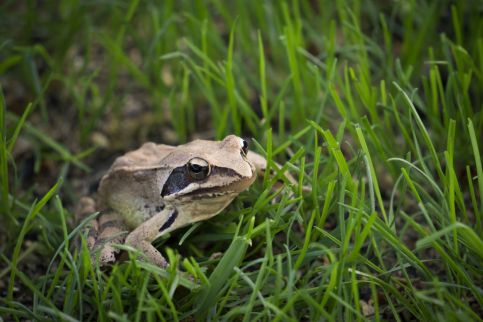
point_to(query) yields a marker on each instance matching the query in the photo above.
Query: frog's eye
(198, 168)
(244, 145)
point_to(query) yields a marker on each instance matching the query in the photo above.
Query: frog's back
(148, 156)
(134, 182)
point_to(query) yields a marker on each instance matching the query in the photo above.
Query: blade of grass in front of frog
(223, 271)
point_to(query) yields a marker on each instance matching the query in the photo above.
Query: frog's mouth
(213, 192)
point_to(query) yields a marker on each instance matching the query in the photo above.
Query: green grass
(377, 107)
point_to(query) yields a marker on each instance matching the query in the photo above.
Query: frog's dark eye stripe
(177, 181)
(180, 178)
(196, 169)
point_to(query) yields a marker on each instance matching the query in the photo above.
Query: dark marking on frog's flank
(117, 237)
(111, 223)
(172, 217)
(92, 233)
(152, 210)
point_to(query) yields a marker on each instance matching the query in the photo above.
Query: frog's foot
(151, 254)
(260, 164)
(142, 236)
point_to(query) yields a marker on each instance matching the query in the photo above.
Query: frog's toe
(105, 254)
(108, 255)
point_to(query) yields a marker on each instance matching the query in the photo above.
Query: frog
(156, 189)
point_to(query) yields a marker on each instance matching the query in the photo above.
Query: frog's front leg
(260, 164)
(142, 237)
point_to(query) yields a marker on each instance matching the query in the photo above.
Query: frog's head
(208, 170)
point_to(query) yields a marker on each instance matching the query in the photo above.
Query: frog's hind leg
(86, 207)
(110, 231)
(104, 231)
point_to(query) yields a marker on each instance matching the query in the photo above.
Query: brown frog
(158, 188)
